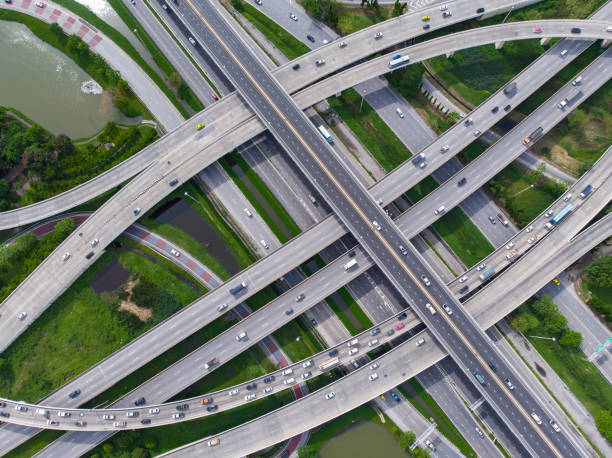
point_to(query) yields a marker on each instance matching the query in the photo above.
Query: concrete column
(545, 41)
(499, 44)
(605, 43)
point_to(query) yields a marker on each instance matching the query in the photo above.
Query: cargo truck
(586, 191)
(487, 273)
(533, 136)
(236, 289)
(349, 265)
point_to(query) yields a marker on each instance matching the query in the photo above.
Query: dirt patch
(594, 128)
(560, 157)
(142, 313)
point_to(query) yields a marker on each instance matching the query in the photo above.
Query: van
(352, 343)
(399, 112)
(439, 210)
(241, 336)
(564, 52)
(536, 418)
(577, 81)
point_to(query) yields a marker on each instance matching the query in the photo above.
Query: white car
(443, 7)
(447, 308)
(293, 16)
(425, 280)
(233, 393)
(536, 418)
(192, 41)
(373, 342)
(306, 375)
(529, 228)
(531, 239)
(373, 377)
(221, 307)
(267, 389)
(481, 266)
(430, 308)
(63, 414)
(376, 225)
(108, 417)
(94, 242)
(330, 395)
(307, 364)
(248, 212)
(264, 244)
(154, 411)
(352, 351)
(374, 366)
(22, 316)
(463, 279)
(510, 245)
(40, 4)
(175, 253)
(555, 426)
(65, 256)
(248, 397)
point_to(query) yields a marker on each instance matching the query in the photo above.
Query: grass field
(353, 18)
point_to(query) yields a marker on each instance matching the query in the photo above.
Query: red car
(399, 326)
(537, 30)
(214, 96)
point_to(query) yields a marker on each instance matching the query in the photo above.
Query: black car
(310, 38)
(352, 254)
(390, 332)
(426, 26)
(5, 414)
(375, 331)
(182, 407)
(401, 316)
(80, 423)
(480, 10)
(507, 108)
(464, 289)
(492, 366)
(314, 322)
(252, 386)
(296, 67)
(74, 394)
(576, 30)
(145, 421)
(289, 311)
(211, 408)
(495, 110)
(462, 181)
(2, 404)
(269, 379)
(139, 401)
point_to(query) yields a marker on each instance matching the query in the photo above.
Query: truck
(487, 273)
(398, 61)
(573, 95)
(236, 289)
(479, 378)
(326, 135)
(327, 365)
(510, 88)
(349, 265)
(586, 191)
(211, 363)
(533, 136)
(502, 219)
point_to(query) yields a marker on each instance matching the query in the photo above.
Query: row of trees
(544, 312)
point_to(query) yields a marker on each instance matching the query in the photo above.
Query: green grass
(463, 237)
(600, 299)
(355, 309)
(428, 407)
(422, 189)
(279, 37)
(372, 131)
(348, 324)
(297, 350)
(354, 18)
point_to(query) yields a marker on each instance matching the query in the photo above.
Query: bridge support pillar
(450, 54)
(499, 44)
(545, 41)
(606, 43)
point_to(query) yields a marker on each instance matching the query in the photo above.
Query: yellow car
(382, 396)
(556, 281)
(200, 126)
(425, 18)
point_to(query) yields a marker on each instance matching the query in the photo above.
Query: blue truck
(586, 191)
(236, 289)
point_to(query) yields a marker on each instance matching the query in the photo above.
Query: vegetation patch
(597, 284)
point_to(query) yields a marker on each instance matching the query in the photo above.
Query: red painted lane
(283, 362)
(69, 22)
(272, 346)
(56, 13)
(206, 276)
(82, 31)
(191, 265)
(25, 4)
(94, 41)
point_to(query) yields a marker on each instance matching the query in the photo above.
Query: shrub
(600, 271)
(570, 339)
(603, 419)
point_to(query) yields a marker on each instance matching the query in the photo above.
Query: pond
(45, 85)
(179, 213)
(111, 277)
(363, 439)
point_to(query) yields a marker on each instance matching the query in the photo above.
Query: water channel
(363, 440)
(45, 85)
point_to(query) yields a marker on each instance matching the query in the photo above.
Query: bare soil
(142, 313)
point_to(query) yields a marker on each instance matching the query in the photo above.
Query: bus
(325, 134)
(398, 61)
(327, 365)
(487, 273)
(562, 214)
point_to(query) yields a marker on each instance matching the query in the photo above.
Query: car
(492, 366)
(63, 414)
(306, 375)
(289, 311)
(325, 41)
(241, 336)
(374, 366)
(444, 149)
(491, 219)
(509, 245)
(233, 392)
(382, 396)
(400, 113)
(476, 133)
(373, 342)
(182, 407)
(310, 38)
(293, 17)
(403, 250)
(429, 444)
(66, 256)
(250, 396)
(529, 228)
(342, 44)
(269, 379)
(567, 197)
(509, 256)
(378, 35)
(462, 181)
(178, 415)
(258, 2)
(264, 244)
(20, 408)
(2, 404)
(425, 18)
(390, 332)
(469, 121)
(447, 14)
(131, 414)
(577, 81)
(352, 351)
(401, 316)
(22, 316)
(205, 401)
(80, 423)
(215, 96)
(507, 108)
(287, 371)
(296, 66)
(447, 308)
(376, 225)
(556, 281)
(443, 7)
(200, 126)
(221, 307)
(165, 7)
(426, 26)
(554, 425)
(74, 394)
(481, 266)
(307, 364)
(330, 395)
(509, 383)
(373, 377)
(479, 432)
(531, 240)
(251, 386)
(395, 396)
(52, 422)
(480, 10)
(399, 326)
(420, 342)
(43, 412)
(494, 110)
(266, 390)
(313, 321)
(536, 418)
(40, 4)
(175, 253)
(5, 414)
(425, 280)
(464, 289)
(213, 442)
(576, 30)
(154, 411)
(537, 30)
(300, 297)
(119, 424)
(94, 242)
(431, 309)
(248, 212)
(108, 417)
(548, 214)
(145, 421)
(192, 41)
(289, 381)
(463, 279)
(320, 62)
(375, 331)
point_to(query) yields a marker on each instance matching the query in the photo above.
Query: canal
(363, 439)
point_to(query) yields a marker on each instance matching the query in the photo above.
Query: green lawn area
(428, 407)
(283, 40)
(372, 131)
(353, 18)
(297, 350)
(600, 300)
(355, 309)
(463, 237)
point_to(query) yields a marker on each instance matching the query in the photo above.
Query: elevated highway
(150, 192)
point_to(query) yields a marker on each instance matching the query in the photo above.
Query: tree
(524, 321)
(139, 452)
(108, 448)
(407, 439)
(600, 271)
(175, 80)
(603, 420)
(453, 117)
(555, 323)
(150, 443)
(544, 307)
(407, 80)
(570, 339)
(124, 440)
(63, 146)
(398, 8)
(56, 30)
(64, 228)
(419, 452)
(307, 451)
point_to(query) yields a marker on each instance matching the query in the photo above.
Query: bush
(524, 321)
(570, 339)
(407, 439)
(603, 419)
(307, 451)
(544, 307)
(600, 271)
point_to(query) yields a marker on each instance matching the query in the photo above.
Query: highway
(394, 30)
(49, 291)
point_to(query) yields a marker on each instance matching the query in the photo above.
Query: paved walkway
(140, 83)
